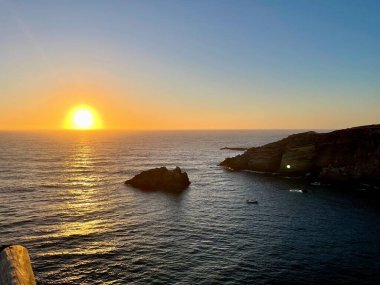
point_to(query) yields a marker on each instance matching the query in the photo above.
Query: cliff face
(343, 156)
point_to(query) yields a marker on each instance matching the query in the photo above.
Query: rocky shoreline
(342, 157)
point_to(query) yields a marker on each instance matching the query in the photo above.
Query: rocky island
(160, 179)
(347, 156)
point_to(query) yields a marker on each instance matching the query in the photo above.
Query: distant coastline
(340, 157)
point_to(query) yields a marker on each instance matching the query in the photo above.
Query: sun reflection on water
(82, 206)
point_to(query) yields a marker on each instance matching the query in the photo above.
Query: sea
(63, 197)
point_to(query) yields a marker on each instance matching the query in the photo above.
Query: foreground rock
(339, 157)
(15, 266)
(160, 179)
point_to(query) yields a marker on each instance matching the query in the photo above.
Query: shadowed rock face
(343, 156)
(160, 179)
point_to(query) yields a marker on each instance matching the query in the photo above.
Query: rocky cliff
(342, 156)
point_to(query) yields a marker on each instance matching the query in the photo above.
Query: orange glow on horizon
(83, 117)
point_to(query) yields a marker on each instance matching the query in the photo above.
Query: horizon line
(161, 130)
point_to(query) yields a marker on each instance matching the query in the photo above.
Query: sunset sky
(190, 64)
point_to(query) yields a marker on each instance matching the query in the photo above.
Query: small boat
(252, 201)
(298, 190)
(315, 183)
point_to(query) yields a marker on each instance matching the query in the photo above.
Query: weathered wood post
(15, 266)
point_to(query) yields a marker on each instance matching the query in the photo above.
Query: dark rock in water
(160, 179)
(234, 148)
(339, 157)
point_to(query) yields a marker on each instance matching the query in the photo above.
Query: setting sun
(83, 118)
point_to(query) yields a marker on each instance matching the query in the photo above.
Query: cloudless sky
(191, 64)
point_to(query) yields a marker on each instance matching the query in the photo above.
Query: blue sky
(204, 64)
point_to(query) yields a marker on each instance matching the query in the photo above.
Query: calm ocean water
(62, 196)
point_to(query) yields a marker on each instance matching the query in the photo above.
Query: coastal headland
(347, 156)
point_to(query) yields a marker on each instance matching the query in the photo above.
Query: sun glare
(83, 118)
